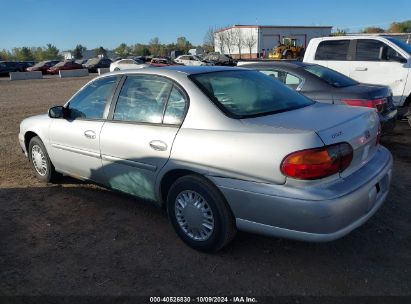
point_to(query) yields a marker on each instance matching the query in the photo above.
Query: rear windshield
(242, 94)
(331, 77)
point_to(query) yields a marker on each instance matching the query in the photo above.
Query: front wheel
(200, 214)
(40, 160)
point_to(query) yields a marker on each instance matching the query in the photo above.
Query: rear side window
(176, 107)
(332, 50)
(369, 50)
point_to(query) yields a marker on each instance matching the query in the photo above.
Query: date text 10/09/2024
(233, 299)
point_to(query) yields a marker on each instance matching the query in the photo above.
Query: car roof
(350, 37)
(277, 63)
(175, 69)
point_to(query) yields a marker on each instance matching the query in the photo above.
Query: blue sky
(110, 22)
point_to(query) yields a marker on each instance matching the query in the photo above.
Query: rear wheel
(40, 161)
(200, 214)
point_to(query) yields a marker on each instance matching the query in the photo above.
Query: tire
(288, 55)
(204, 204)
(117, 69)
(38, 153)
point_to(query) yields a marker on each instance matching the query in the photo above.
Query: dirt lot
(78, 239)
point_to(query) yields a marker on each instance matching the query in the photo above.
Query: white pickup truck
(368, 59)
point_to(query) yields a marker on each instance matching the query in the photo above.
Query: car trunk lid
(333, 124)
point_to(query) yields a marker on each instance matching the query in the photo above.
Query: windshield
(406, 47)
(242, 94)
(332, 77)
(40, 64)
(93, 61)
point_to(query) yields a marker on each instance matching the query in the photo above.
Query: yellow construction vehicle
(287, 49)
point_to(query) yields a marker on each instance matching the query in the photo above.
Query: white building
(252, 40)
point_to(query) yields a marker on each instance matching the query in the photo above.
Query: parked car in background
(222, 149)
(325, 85)
(125, 64)
(64, 65)
(80, 61)
(368, 59)
(220, 59)
(161, 62)
(9, 66)
(26, 64)
(97, 63)
(191, 60)
(42, 66)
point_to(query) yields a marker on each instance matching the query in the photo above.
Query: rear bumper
(319, 213)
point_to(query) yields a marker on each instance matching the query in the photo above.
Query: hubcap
(194, 215)
(39, 160)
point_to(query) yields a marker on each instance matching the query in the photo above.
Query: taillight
(374, 103)
(317, 163)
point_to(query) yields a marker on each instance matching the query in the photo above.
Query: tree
(154, 46)
(38, 53)
(373, 30)
(78, 51)
(400, 27)
(140, 50)
(250, 41)
(183, 44)
(22, 54)
(100, 52)
(5, 55)
(238, 39)
(51, 52)
(229, 39)
(123, 50)
(339, 32)
(220, 37)
(209, 40)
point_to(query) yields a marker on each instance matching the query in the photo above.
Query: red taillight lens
(317, 163)
(375, 103)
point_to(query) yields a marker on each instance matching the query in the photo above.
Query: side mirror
(57, 112)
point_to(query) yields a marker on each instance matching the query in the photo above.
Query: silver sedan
(221, 149)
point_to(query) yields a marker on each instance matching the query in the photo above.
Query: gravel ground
(75, 238)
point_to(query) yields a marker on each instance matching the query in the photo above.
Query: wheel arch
(172, 175)
(27, 137)
(167, 180)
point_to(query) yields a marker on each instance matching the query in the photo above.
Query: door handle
(90, 134)
(158, 145)
(361, 69)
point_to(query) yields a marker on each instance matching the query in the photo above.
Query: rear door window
(332, 50)
(369, 50)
